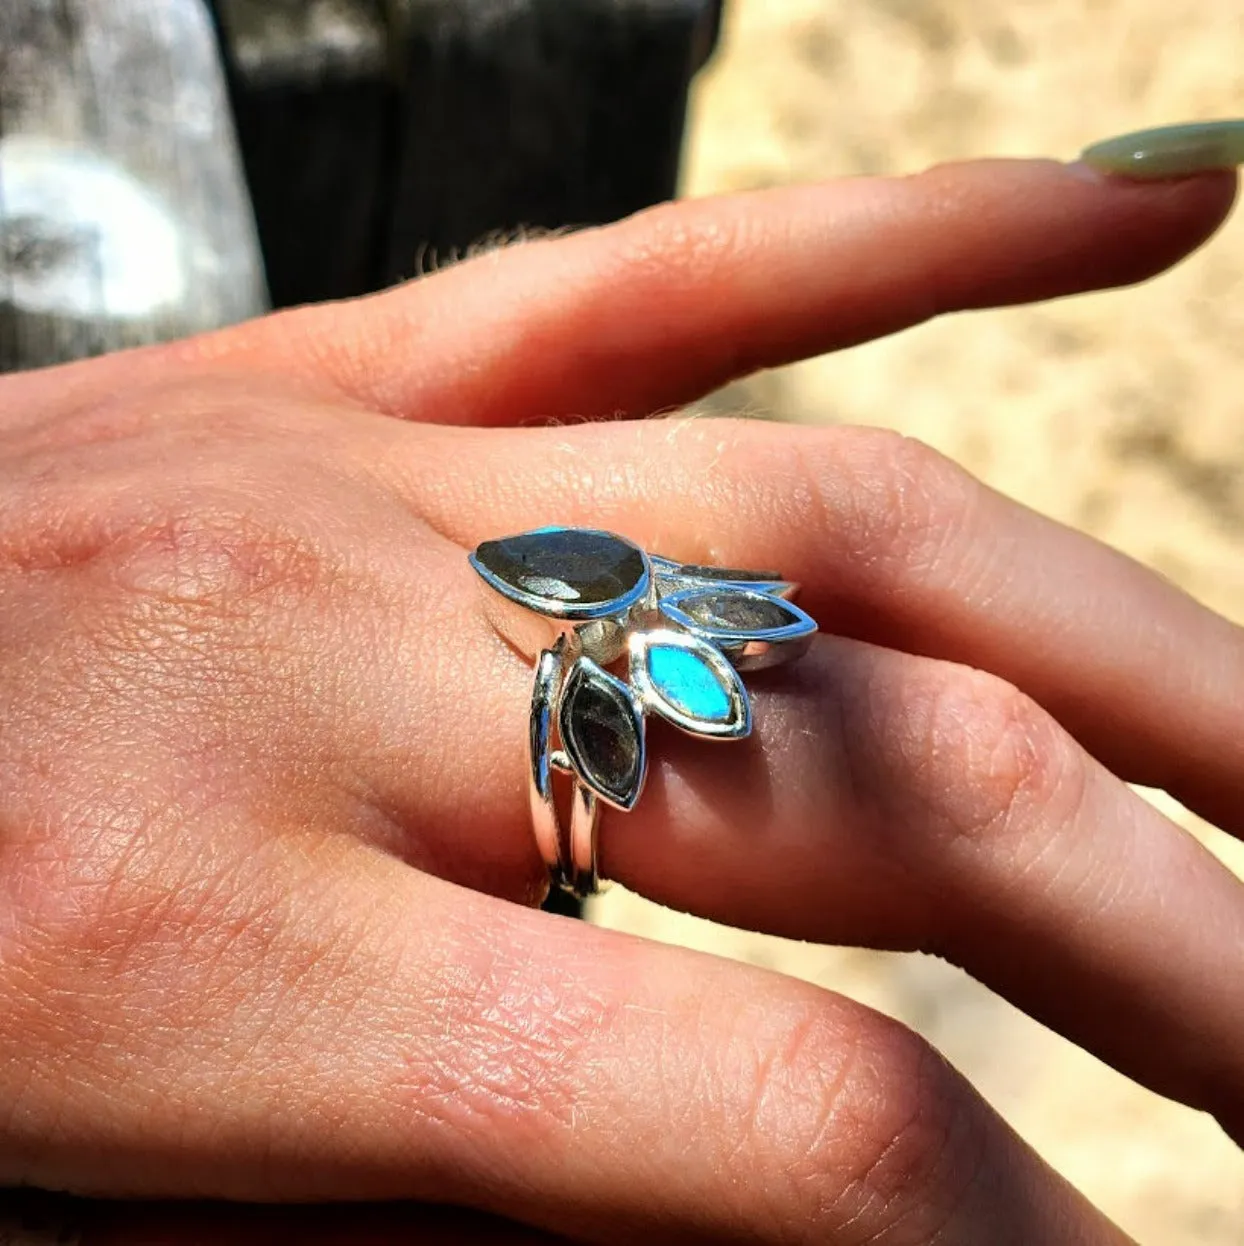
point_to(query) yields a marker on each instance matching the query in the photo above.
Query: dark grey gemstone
(567, 567)
(738, 612)
(601, 731)
(696, 572)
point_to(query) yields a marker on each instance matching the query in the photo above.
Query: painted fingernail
(1170, 151)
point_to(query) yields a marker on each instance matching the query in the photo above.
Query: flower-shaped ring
(618, 634)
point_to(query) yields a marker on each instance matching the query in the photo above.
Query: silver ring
(618, 634)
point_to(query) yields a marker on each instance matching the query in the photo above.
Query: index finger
(661, 308)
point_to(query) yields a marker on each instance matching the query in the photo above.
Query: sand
(1121, 413)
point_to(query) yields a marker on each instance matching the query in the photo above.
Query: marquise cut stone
(567, 568)
(736, 574)
(738, 612)
(602, 732)
(688, 683)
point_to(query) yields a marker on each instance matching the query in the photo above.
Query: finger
(903, 803)
(356, 1030)
(895, 544)
(660, 309)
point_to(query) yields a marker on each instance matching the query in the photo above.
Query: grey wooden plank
(124, 217)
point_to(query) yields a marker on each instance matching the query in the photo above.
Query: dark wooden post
(124, 217)
(543, 113)
(316, 106)
(382, 134)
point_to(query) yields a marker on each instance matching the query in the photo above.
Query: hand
(262, 756)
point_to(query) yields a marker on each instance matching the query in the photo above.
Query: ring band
(618, 634)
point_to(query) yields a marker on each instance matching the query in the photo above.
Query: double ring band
(618, 634)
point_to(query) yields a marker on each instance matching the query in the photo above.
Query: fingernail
(1170, 151)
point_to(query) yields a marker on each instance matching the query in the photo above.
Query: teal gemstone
(688, 683)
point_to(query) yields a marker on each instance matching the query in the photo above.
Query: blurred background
(1120, 413)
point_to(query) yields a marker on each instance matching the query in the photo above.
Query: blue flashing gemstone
(569, 572)
(688, 683)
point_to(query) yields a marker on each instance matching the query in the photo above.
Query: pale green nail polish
(1171, 151)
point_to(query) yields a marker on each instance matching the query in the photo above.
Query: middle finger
(895, 544)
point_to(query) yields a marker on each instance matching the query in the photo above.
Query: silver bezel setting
(540, 725)
(584, 669)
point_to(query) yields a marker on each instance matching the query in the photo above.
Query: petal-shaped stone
(569, 572)
(734, 574)
(675, 577)
(690, 682)
(735, 613)
(602, 730)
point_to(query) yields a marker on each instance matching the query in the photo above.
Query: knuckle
(893, 504)
(673, 241)
(172, 488)
(913, 1137)
(220, 553)
(102, 873)
(193, 609)
(88, 905)
(875, 1127)
(982, 759)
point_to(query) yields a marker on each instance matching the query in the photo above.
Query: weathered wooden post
(124, 217)
(376, 134)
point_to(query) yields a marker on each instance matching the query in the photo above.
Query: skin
(265, 862)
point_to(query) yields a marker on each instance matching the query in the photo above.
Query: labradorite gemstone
(565, 566)
(696, 572)
(688, 683)
(1170, 151)
(737, 612)
(599, 727)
